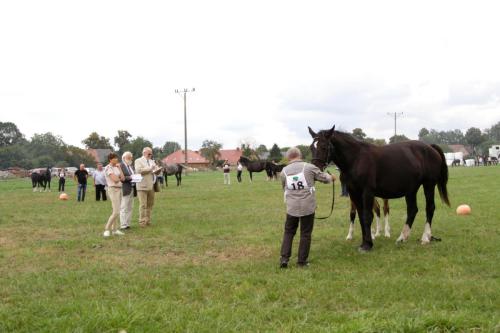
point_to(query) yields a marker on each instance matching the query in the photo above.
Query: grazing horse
(254, 166)
(456, 162)
(41, 179)
(392, 171)
(173, 169)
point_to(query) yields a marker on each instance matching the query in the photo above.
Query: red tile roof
(178, 157)
(232, 155)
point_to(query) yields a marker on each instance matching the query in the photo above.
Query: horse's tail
(443, 176)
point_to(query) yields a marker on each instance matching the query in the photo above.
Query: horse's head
(320, 147)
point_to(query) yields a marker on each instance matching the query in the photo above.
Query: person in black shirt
(81, 176)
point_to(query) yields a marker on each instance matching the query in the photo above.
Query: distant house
(460, 149)
(195, 160)
(99, 155)
(232, 155)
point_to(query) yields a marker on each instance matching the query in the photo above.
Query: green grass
(210, 264)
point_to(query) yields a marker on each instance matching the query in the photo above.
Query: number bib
(297, 182)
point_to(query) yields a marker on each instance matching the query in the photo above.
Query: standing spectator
(297, 179)
(100, 183)
(62, 179)
(239, 169)
(146, 166)
(226, 168)
(114, 177)
(81, 176)
(128, 191)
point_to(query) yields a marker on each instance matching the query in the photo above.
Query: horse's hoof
(348, 238)
(364, 249)
(435, 239)
(387, 235)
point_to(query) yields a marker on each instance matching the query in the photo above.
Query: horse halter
(324, 163)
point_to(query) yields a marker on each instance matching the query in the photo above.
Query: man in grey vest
(298, 179)
(128, 191)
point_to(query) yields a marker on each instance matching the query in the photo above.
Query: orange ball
(63, 196)
(463, 210)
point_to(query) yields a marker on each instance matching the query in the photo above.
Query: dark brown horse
(254, 166)
(376, 210)
(392, 171)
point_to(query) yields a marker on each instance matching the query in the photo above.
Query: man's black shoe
(283, 264)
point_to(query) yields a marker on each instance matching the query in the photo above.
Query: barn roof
(178, 157)
(231, 155)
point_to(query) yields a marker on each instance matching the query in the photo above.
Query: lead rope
(333, 203)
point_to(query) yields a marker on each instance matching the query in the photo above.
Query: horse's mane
(348, 138)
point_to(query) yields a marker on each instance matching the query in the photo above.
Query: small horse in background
(376, 210)
(391, 171)
(254, 166)
(41, 179)
(273, 169)
(173, 169)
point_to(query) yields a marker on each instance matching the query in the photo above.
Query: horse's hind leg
(376, 209)
(429, 211)
(352, 216)
(387, 229)
(411, 212)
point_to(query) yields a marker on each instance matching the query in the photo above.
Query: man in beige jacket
(146, 166)
(297, 179)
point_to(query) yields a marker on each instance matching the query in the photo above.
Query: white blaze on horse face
(387, 230)
(426, 237)
(404, 234)
(351, 231)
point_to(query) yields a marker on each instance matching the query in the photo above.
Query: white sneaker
(107, 233)
(118, 232)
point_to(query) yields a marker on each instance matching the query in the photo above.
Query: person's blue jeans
(81, 191)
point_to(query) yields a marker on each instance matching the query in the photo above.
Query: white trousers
(227, 179)
(126, 209)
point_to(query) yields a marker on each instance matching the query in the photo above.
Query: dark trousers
(238, 176)
(306, 228)
(100, 189)
(81, 191)
(62, 181)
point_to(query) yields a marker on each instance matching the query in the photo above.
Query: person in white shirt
(100, 183)
(128, 191)
(62, 179)
(239, 169)
(226, 168)
(114, 178)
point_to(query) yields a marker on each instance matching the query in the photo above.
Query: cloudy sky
(263, 70)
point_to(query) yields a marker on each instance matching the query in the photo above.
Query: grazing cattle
(254, 166)
(391, 171)
(173, 169)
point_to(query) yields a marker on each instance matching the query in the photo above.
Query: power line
(396, 115)
(184, 92)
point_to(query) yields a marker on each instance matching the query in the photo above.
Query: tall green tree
(358, 134)
(247, 151)
(261, 149)
(137, 145)
(210, 149)
(398, 138)
(306, 152)
(97, 141)
(275, 153)
(474, 137)
(121, 139)
(170, 147)
(10, 134)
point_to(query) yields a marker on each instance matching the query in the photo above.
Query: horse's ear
(330, 132)
(314, 135)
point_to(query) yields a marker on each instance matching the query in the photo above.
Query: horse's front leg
(367, 204)
(411, 212)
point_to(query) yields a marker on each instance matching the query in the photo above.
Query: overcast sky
(263, 70)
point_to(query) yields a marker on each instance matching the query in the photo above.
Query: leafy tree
(137, 145)
(398, 138)
(359, 134)
(275, 153)
(121, 140)
(423, 133)
(10, 134)
(170, 147)
(247, 151)
(261, 149)
(96, 141)
(474, 137)
(211, 151)
(494, 132)
(378, 142)
(76, 156)
(158, 153)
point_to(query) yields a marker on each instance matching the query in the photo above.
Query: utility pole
(396, 115)
(184, 92)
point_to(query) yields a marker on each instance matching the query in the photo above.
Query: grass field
(209, 263)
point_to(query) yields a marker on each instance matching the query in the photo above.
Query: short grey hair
(126, 154)
(293, 153)
(145, 149)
